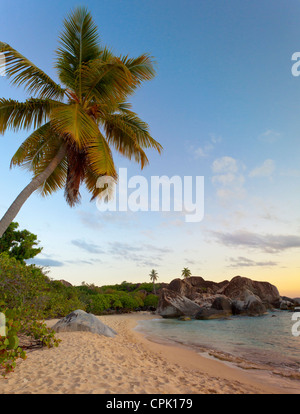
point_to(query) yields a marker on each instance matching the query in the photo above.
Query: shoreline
(130, 363)
(226, 357)
(238, 368)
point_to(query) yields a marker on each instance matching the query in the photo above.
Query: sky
(224, 105)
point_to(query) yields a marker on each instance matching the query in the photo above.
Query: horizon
(224, 105)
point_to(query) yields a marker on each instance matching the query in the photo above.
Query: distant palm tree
(153, 277)
(186, 272)
(78, 122)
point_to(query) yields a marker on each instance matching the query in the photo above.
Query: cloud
(119, 247)
(191, 262)
(142, 255)
(225, 164)
(201, 152)
(245, 262)
(269, 243)
(98, 220)
(228, 178)
(265, 170)
(90, 220)
(152, 248)
(269, 136)
(45, 262)
(89, 247)
(84, 262)
(204, 151)
(215, 139)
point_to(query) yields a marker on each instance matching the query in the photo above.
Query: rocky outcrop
(206, 313)
(173, 304)
(239, 286)
(195, 286)
(196, 297)
(286, 303)
(246, 303)
(222, 303)
(65, 283)
(82, 321)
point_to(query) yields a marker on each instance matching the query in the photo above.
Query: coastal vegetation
(20, 244)
(28, 297)
(124, 297)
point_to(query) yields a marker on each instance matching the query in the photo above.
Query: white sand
(131, 364)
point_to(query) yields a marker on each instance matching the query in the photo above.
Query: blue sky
(224, 105)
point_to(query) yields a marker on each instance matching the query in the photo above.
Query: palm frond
(73, 121)
(35, 154)
(108, 81)
(129, 135)
(24, 115)
(31, 149)
(100, 157)
(141, 68)
(22, 72)
(91, 180)
(139, 127)
(56, 181)
(78, 45)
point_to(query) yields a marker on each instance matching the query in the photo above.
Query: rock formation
(82, 321)
(196, 297)
(173, 304)
(65, 283)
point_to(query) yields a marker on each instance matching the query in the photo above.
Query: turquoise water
(262, 340)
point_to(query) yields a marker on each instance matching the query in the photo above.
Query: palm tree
(186, 272)
(76, 123)
(153, 277)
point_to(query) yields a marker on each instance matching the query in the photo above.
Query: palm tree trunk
(29, 189)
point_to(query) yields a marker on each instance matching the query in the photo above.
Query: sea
(266, 341)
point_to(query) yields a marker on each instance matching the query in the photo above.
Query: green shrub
(148, 287)
(151, 301)
(27, 286)
(98, 303)
(9, 344)
(130, 301)
(21, 322)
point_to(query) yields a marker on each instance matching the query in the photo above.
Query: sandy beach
(86, 363)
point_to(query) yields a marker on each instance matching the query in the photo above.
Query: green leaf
(13, 342)
(24, 115)
(78, 44)
(100, 157)
(23, 72)
(72, 121)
